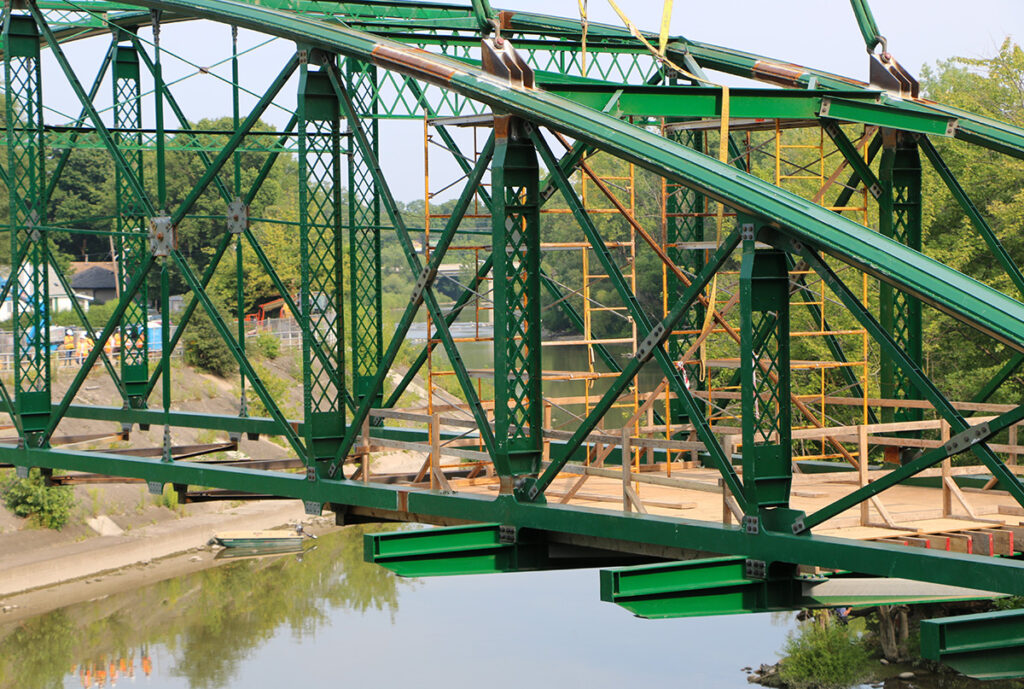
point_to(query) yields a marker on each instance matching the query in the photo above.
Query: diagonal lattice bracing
(319, 129)
(25, 171)
(132, 223)
(516, 241)
(900, 219)
(765, 377)
(364, 238)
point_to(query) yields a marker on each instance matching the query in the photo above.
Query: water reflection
(210, 621)
(331, 618)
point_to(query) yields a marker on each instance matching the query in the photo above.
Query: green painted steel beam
(866, 23)
(180, 419)
(694, 588)
(321, 262)
(736, 585)
(899, 218)
(475, 549)
(565, 33)
(861, 167)
(425, 276)
(285, 428)
(924, 278)
(880, 559)
(702, 102)
(985, 646)
(468, 293)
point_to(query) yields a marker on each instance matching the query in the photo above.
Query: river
(328, 617)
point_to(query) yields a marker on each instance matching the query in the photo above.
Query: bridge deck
(912, 510)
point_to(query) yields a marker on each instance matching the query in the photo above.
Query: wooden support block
(983, 543)
(959, 543)
(1018, 536)
(938, 542)
(1002, 540)
(917, 542)
(1015, 510)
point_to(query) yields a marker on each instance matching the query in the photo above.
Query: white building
(59, 298)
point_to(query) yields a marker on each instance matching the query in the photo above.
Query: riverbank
(37, 579)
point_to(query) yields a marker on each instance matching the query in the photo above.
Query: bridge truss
(563, 125)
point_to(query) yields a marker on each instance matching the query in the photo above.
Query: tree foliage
(206, 349)
(823, 655)
(30, 498)
(958, 357)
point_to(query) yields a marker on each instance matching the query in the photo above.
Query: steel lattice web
(322, 260)
(131, 220)
(767, 396)
(683, 223)
(29, 292)
(517, 324)
(902, 328)
(365, 234)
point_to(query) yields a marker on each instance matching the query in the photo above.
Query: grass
(95, 501)
(207, 437)
(823, 654)
(168, 499)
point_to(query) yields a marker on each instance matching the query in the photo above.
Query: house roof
(96, 277)
(76, 267)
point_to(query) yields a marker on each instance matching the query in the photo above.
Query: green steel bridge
(526, 81)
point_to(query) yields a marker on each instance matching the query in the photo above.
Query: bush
(206, 350)
(30, 498)
(277, 388)
(1008, 603)
(268, 346)
(823, 657)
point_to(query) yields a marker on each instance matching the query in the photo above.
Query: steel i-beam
(320, 241)
(518, 414)
(132, 224)
(26, 182)
(900, 218)
(765, 374)
(364, 239)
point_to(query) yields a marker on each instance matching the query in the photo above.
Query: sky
(816, 33)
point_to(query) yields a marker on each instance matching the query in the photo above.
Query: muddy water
(328, 617)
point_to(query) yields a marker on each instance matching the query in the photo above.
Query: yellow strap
(585, 23)
(723, 148)
(659, 57)
(666, 17)
(723, 156)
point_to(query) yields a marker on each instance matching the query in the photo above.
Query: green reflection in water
(210, 620)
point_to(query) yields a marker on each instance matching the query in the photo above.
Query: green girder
(384, 76)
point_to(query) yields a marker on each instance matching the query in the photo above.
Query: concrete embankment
(26, 568)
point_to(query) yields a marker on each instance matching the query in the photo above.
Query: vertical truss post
(131, 222)
(30, 276)
(364, 239)
(515, 226)
(684, 222)
(238, 221)
(319, 129)
(900, 218)
(764, 379)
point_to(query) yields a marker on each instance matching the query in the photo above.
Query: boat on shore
(259, 539)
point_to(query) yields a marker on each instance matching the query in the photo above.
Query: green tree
(205, 349)
(31, 498)
(958, 357)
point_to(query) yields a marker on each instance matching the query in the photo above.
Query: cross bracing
(741, 259)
